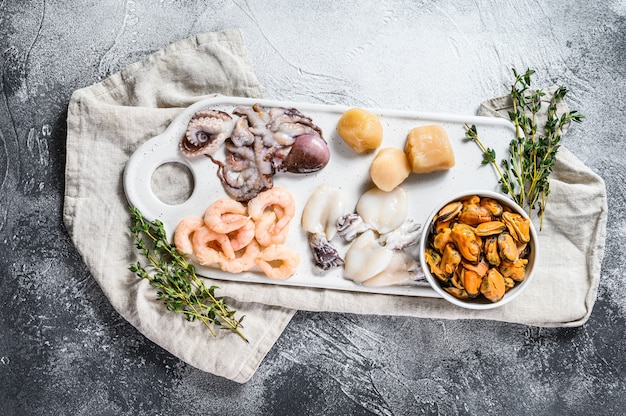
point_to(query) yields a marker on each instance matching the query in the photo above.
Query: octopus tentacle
(206, 133)
(258, 143)
(242, 186)
(257, 116)
(242, 136)
(239, 158)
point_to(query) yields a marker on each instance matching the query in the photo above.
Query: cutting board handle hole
(172, 183)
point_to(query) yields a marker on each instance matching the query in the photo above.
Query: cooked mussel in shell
(493, 285)
(474, 214)
(517, 226)
(450, 211)
(514, 270)
(494, 207)
(450, 260)
(433, 259)
(478, 248)
(457, 293)
(490, 251)
(507, 247)
(471, 282)
(490, 228)
(466, 240)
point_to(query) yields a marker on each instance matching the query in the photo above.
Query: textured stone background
(64, 350)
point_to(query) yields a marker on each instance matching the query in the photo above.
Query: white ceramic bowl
(479, 302)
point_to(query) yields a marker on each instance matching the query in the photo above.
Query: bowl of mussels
(478, 249)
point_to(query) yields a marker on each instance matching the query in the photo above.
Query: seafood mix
(476, 248)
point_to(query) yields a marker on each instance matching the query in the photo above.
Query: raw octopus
(258, 144)
(206, 132)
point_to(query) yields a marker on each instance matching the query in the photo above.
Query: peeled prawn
(267, 231)
(272, 212)
(237, 238)
(225, 215)
(210, 247)
(278, 261)
(184, 232)
(276, 197)
(242, 236)
(243, 262)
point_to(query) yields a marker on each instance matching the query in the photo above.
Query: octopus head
(309, 153)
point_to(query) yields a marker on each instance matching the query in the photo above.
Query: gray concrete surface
(64, 350)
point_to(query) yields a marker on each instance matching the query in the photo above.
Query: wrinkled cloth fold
(106, 122)
(109, 120)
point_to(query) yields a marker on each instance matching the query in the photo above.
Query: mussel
(493, 285)
(478, 247)
(518, 226)
(466, 240)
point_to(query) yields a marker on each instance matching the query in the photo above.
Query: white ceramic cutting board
(346, 170)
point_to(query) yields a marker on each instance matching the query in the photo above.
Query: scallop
(385, 211)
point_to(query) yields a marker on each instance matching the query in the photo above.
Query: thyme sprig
(175, 278)
(525, 175)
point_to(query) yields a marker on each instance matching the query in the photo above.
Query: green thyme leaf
(525, 174)
(175, 279)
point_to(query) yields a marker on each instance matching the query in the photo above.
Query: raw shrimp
(279, 202)
(273, 199)
(210, 247)
(243, 260)
(267, 232)
(278, 261)
(225, 215)
(242, 236)
(184, 232)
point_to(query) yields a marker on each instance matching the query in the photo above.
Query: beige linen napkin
(109, 120)
(106, 123)
(566, 280)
